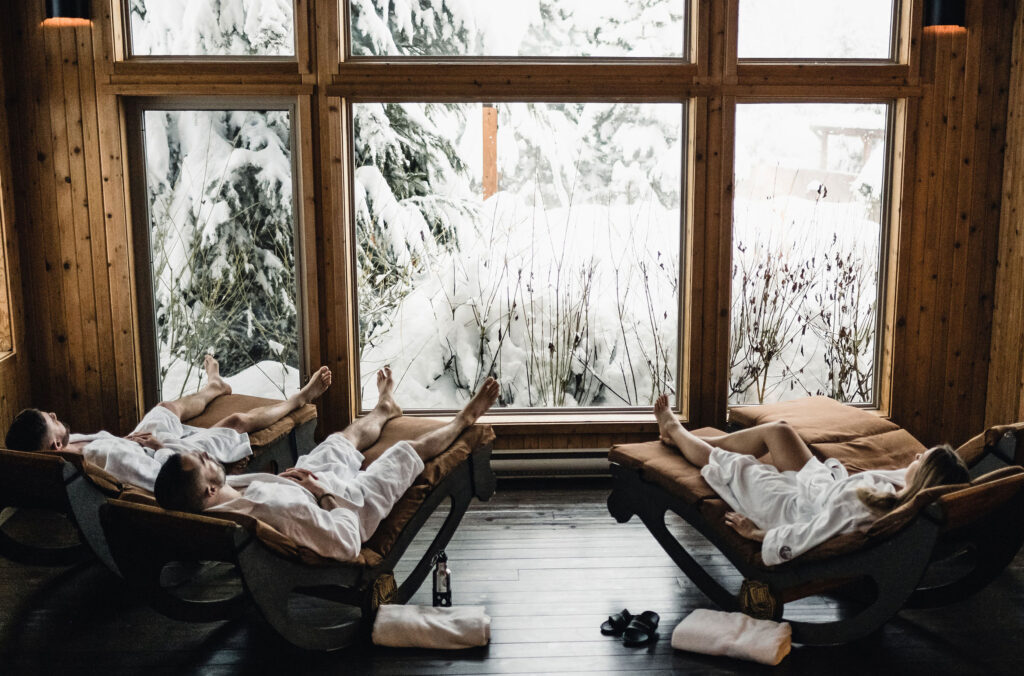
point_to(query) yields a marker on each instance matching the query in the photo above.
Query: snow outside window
(211, 27)
(816, 29)
(807, 234)
(566, 28)
(219, 188)
(536, 243)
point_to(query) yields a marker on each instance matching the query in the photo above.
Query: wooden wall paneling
(96, 246)
(81, 252)
(40, 247)
(64, 222)
(1006, 367)
(970, 292)
(1005, 21)
(942, 221)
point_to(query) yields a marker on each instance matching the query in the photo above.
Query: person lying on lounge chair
(798, 502)
(160, 434)
(325, 503)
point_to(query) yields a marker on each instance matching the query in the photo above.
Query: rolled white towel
(400, 626)
(714, 632)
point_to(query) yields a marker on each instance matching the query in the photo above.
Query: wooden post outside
(490, 144)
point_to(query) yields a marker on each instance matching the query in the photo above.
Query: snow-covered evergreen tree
(212, 27)
(220, 194)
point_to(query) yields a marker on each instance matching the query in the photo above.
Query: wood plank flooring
(549, 564)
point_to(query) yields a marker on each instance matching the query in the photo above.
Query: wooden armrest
(968, 505)
(33, 480)
(171, 535)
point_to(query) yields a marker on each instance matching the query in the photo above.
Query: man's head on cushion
(189, 482)
(35, 430)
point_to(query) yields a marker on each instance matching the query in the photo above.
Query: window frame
(888, 231)
(325, 79)
(134, 115)
(553, 413)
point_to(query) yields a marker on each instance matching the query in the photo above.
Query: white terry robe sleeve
(790, 540)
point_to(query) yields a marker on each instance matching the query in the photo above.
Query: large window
(211, 27)
(807, 235)
(816, 29)
(593, 201)
(536, 28)
(221, 238)
(536, 243)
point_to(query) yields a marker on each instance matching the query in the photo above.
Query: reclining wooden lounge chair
(64, 483)
(273, 568)
(979, 525)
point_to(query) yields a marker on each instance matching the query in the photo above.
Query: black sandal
(616, 623)
(642, 629)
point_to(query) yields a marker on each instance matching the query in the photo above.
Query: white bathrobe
(366, 497)
(138, 465)
(797, 510)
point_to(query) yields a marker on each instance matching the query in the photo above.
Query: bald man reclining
(325, 503)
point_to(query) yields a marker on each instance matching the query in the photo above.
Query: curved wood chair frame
(986, 539)
(145, 539)
(46, 481)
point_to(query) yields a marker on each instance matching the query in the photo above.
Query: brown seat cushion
(889, 450)
(228, 404)
(857, 438)
(817, 419)
(665, 466)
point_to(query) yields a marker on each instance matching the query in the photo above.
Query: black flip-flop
(616, 623)
(641, 629)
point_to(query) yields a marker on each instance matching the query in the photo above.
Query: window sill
(564, 423)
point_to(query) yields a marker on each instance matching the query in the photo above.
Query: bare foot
(481, 401)
(316, 386)
(386, 403)
(667, 421)
(213, 379)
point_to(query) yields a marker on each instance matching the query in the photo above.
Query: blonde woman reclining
(798, 501)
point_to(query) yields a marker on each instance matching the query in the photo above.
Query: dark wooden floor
(548, 563)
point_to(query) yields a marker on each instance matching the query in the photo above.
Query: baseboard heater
(536, 463)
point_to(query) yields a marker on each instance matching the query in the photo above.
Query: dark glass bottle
(442, 581)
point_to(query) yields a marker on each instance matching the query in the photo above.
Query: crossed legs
(788, 451)
(365, 431)
(192, 405)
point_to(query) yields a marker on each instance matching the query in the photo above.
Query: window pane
(538, 243)
(815, 29)
(219, 185)
(212, 28)
(807, 232)
(638, 28)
